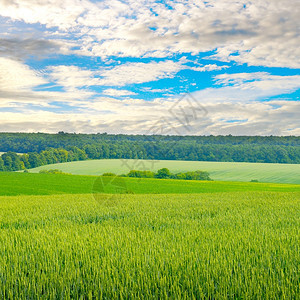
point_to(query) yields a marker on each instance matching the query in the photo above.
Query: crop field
(219, 171)
(239, 245)
(95, 237)
(13, 183)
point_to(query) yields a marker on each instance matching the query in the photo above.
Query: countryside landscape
(149, 149)
(95, 228)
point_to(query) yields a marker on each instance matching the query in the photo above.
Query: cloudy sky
(136, 66)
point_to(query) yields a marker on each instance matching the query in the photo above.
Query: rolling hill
(221, 171)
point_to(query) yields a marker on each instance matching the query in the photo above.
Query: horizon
(137, 134)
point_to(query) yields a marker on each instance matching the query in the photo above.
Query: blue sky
(227, 67)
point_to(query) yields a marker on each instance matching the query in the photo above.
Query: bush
(165, 173)
(109, 174)
(140, 174)
(193, 175)
(181, 176)
(52, 171)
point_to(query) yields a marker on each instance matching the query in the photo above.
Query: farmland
(96, 237)
(149, 150)
(220, 171)
(210, 245)
(47, 184)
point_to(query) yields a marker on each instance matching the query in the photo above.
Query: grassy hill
(46, 184)
(221, 171)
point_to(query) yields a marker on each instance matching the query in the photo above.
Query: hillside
(48, 184)
(222, 171)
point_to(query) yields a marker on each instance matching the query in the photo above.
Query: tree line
(11, 161)
(37, 142)
(42, 149)
(165, 173)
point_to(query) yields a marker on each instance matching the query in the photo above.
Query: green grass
(87, 239)
(47, 184)
(242, 245)
(220, 171)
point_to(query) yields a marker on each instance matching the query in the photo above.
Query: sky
(150, 67)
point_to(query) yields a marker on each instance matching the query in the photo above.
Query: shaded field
(242, 245)
(220, 171)
(13, 183)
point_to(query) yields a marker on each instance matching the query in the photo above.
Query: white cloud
(51, 13)
(234, 109)
(114, 92)
(261, 32)
(248, 86)
(18, 84)
(208, 68)
(15, 76)
(130, 73)
(258, 33)
(72, 77)
(258, 118)
(115, 116)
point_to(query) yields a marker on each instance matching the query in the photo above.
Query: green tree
(12, 161)
(34, 160)
(24, 159)
(163, 173)
(7, 162)
(2, 168)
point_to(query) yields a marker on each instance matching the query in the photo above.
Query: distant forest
(41, 149)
